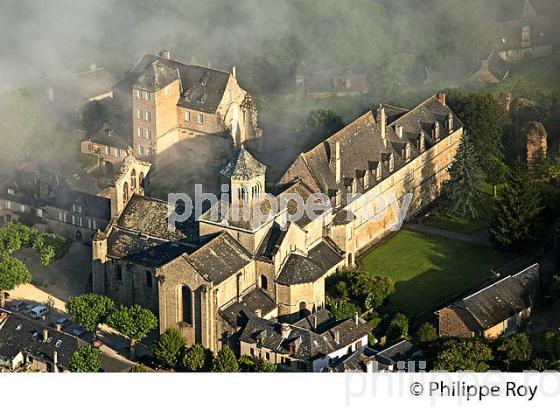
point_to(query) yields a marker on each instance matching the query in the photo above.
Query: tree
(13, 273)
(371, 291)
(49, 304)
(398, 327)
(463, 187)
(427, 333)
(168, 347)
(517, 220)
(85, 359)
(196, 358)
(496, 173)
(135, 322)
(319, 125)
(515, 350)
(463, 355)
(225, 361)
(265, 367)
(341, 309)
(484, 120)
(89, 310)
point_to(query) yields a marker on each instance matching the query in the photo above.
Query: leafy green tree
(463, 187)
(167, 347)
(89, 310)
(341, 309)
(196, 358)
(427, 333)
(13, 273)
(464, 355)
(265, 367)
(496, 173)
(372, 291)
(135, 322)
(85, 359)
(519, 209)
(398, 327)
(14, 236)
(225, 361)
(539, 364)
(515, 350)
(138, 368)
(319, 125)
(49, 304)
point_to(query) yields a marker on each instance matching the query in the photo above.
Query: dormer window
(421, 142)
(11, 191)
(449, 123)
(399, 131)
(355, 185)
(77, 208)
(391, 162)
(436, 132)
(406, 152)
(366, 179)
(378, 171)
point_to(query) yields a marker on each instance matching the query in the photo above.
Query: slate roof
(92, 205)
(299, 269)
(309, 345)
(362, 146)
(17, 334)
(351, 362)
(272, 242)
(255, 299)
(202, 87)
(326, 254)
(220, 258)
(499, 301)
(404, 350)
(319, 321)
(80, 87)
(108, 136)
(243, 166)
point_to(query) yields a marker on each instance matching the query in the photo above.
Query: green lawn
(429, 270)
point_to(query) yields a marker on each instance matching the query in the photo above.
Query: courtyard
(429, 270)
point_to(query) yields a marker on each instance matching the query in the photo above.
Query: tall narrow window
(186, 305)
(149, 281)
(187, 116)
(133, 179)
(264, 282)
(200, 118)
(125, 192)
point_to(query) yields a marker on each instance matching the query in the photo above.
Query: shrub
(167, 347)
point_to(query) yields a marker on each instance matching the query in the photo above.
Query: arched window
(303, 312)
(125, 192)
(133, 179)
(264, 282)
(186, 305)
(149, 279)
(141, 180)
(118, 272)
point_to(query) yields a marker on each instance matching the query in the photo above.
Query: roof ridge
(487, 287)
(187, 65)
(416, 107)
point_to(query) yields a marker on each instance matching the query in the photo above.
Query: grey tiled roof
(401, 351)
(299, 269)
(17, 335)
(255, 299)
(92, 205)
(243, 166)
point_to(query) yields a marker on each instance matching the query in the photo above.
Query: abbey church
(208, 278)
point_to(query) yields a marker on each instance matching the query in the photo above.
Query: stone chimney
(383, 123)
(234, 72)
(356, 318)
(442, 98)
(337, 160)
(337, 336)
(285, 330)
(45, 334)
(314, 322)
(165, 54)
(258, 312)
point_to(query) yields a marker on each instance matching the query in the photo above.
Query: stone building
(169, 101)
(496, 310)
(493, 69)
(526, 34)
(207, 275)
(322, 83)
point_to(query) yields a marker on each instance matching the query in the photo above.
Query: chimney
(338, 170)
(337, 336)
(383, 123)
(314, 322)
(234, 72)
(165, 54)
(356, 317)
(55, 361)
(258, 312)
(449, 123)
(399, 131)
(441, 97)
(58, 327)
(285, 330)
(45, 334)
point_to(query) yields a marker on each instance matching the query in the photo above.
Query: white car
(39, 312)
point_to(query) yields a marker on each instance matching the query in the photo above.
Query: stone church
(205, 277)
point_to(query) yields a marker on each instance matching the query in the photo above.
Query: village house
(168, 102)
(526, 34)
(26, 344)
(311, 344)
(496, 310)
(204, 277)
(323, 83)
(493, 69)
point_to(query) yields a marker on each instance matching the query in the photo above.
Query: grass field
(429, 270)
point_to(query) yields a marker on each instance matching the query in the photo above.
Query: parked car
(17, 306)
(39, 312)
(27, 308)
(78, 331)
(63, 322)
